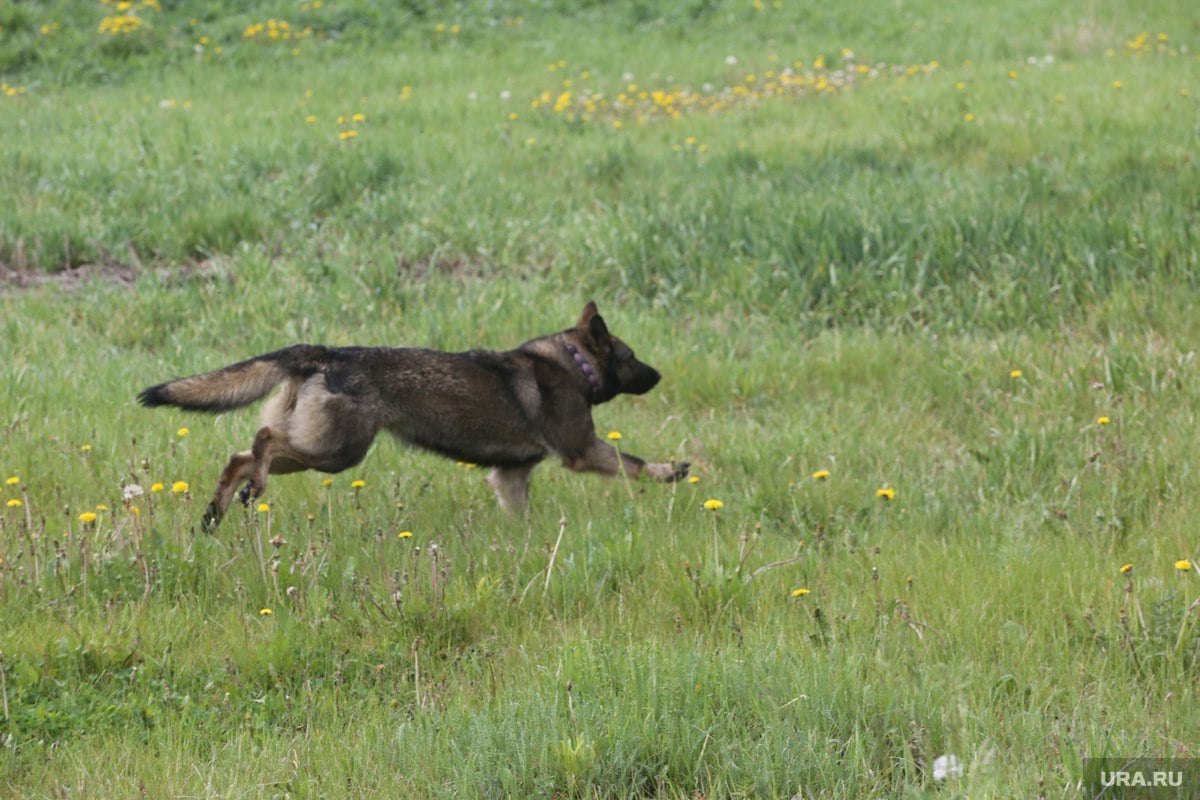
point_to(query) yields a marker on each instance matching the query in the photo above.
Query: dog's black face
(632, 376)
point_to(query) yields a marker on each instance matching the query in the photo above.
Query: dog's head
(619, 370)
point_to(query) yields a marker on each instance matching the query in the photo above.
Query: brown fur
(508, 410)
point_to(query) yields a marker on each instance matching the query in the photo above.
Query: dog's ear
(589, 311)
(591, 321)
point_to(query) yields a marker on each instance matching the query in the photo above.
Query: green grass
(833, 281)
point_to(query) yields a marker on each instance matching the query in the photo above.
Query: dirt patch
(126, 275)
(70, 278)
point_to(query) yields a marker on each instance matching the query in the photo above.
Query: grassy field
(921, 281)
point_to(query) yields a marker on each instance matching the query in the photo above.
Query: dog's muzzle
(642, 381)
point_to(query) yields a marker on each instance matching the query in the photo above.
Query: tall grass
(907, 196)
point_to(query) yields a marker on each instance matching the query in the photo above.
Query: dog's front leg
(600, 456)
(668, 471)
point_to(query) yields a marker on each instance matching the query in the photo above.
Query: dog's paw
(668, 473)
(211, 519)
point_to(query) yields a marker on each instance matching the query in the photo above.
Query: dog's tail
(236, 385)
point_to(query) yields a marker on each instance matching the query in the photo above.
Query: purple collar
(584, 367)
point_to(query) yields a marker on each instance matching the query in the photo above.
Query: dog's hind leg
(511, 486)
(239, 469)
(271, 453)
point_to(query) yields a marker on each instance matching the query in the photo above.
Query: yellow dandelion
(87, 448)
(265, 612)
(1102, 420)
(14, 503)
(87, 517)
(1183, 565)
(968, 117)
(327, 482)
(800, 592)
(156, 487)
(1117, 84)
(182, 432)
(310, 119)
(102, 507)
(820, 475)
(887, 493)
(347, 135)
(357, 484)
(712, 504)
(404, 535)
(13, 481)
(694, 479)
(1016, 373)
(1126, 569)
(179, 487)
(264, 508)
(359, 118)
(614, 435)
